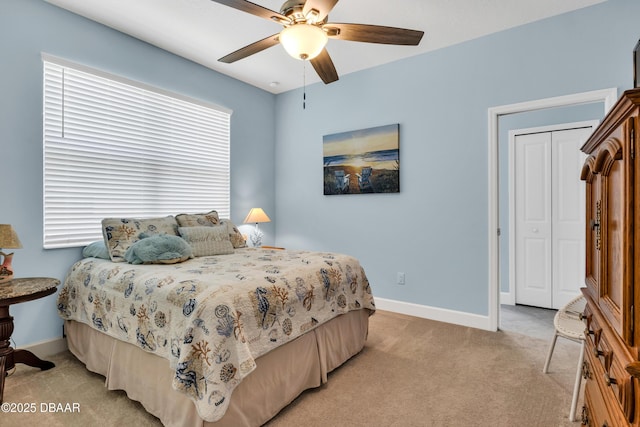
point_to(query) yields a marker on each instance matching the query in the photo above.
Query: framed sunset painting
(362, 161)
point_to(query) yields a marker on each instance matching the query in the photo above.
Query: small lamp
(9, 240)
(256, 215)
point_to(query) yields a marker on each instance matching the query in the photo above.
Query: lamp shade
(9, 237)
(256, 215)
(303, 41)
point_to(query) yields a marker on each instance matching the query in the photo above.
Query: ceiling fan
(306, 32)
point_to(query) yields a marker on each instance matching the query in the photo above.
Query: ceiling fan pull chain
(304, 85)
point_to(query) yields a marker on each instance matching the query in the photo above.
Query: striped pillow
(206, 241)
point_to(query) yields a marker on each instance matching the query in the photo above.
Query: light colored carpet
(412, 372)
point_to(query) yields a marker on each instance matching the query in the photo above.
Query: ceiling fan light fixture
(303, 41)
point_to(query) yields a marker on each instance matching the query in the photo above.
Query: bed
(222, 340)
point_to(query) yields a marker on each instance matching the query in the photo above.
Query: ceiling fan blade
(373, 34)
(254, 9)
(251, 49)
(322, 6)
(324, 67)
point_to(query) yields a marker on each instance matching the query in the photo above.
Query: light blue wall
(435, 229)
(29, 27)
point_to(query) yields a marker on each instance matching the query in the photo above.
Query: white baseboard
(44, 349)
(434, 313)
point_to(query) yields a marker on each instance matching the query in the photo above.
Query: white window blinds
(115, 148)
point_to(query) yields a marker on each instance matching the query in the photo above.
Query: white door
(567, 215)
(533, 255)
(549, 217)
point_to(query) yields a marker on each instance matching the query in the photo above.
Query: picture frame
(362, 161)
(636, 65)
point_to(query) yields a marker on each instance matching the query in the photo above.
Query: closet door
(567, 215)
(549, 217)
(533, 219)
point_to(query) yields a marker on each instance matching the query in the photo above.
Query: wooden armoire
(612, 359)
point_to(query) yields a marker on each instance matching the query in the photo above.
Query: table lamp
(8, 240)
(256, 215)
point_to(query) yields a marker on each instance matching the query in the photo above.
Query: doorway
(605, 97)
(546, 213)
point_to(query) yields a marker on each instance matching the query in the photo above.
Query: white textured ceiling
(203, 31)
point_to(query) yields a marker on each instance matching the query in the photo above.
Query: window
(117, 148)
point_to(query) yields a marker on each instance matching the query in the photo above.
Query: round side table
(13, 292)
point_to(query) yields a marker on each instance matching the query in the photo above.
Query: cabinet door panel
(613, 239)
(592, 227)
(616, 235)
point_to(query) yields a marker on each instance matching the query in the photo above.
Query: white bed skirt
(281, 375)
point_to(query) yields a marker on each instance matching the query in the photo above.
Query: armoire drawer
(594, 410)
(605, 369)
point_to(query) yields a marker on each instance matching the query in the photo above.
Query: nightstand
(13, 292)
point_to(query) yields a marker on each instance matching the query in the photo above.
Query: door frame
(607, 96)
(510, 296)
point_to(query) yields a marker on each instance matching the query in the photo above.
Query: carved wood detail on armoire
(612, 175)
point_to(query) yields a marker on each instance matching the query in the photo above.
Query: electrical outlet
(400, 278)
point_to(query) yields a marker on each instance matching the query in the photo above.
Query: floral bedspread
(211, 317)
